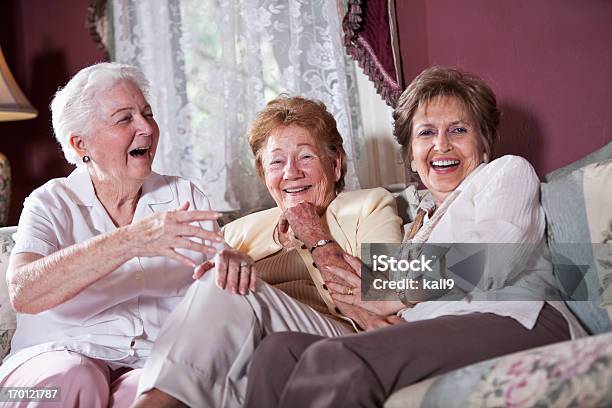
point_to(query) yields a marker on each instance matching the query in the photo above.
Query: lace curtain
(213, 64)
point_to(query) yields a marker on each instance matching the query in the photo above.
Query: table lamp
(13, 106)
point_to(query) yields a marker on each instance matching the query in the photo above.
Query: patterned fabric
(213, 64)
(570, 374)
(408, 201)
(5, 189)
(7, 315)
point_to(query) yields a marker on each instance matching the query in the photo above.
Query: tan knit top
(286, 271)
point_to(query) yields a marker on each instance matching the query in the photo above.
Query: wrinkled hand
(305, 223)
(365, 319)
(235, 271)
(308, 227)
(350, 293)
(161, 234)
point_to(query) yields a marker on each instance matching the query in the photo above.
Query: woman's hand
(365, 319)
(378, 322)
(307, 226)
(305, 223)
(160, 234)
(351, 294)
(235, 271)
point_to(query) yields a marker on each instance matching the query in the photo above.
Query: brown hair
(477, 97)
(307, 113)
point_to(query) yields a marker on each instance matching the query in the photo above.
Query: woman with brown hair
(446, 122)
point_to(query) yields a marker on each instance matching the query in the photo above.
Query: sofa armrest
(571, 373)
(7, 315)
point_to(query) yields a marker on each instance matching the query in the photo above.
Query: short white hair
(73, 106)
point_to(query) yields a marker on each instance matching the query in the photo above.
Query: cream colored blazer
(353, 218)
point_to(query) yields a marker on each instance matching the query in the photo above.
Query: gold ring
(350, 292)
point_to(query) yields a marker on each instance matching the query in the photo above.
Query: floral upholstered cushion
(7, 315)
(569, 374)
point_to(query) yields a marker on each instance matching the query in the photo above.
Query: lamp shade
(13, 103)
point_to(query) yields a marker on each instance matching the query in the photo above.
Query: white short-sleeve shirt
(118, 317)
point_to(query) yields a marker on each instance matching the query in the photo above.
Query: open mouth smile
(139, 151)
(444, 165)
(296, 190)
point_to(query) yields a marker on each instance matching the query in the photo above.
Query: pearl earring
(413, 166)
(485, 158)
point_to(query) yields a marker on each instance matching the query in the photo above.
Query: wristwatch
(320, 243)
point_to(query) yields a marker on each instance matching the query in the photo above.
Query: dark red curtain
(97, 24)
(370, 36)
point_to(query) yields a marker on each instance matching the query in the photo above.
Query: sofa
(577, 200)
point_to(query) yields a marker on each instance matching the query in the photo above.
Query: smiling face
(122, 139)
(297, 169)
(446, 145)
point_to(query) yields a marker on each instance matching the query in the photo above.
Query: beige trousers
(203, 352)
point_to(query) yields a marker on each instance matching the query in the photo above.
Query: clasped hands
(341, 271)
(162, 234)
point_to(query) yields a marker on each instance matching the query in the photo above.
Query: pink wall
(45, 43)
(549, 62)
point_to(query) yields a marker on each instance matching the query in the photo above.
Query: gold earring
(413, 166)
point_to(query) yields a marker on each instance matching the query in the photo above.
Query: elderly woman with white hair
(104, 255)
